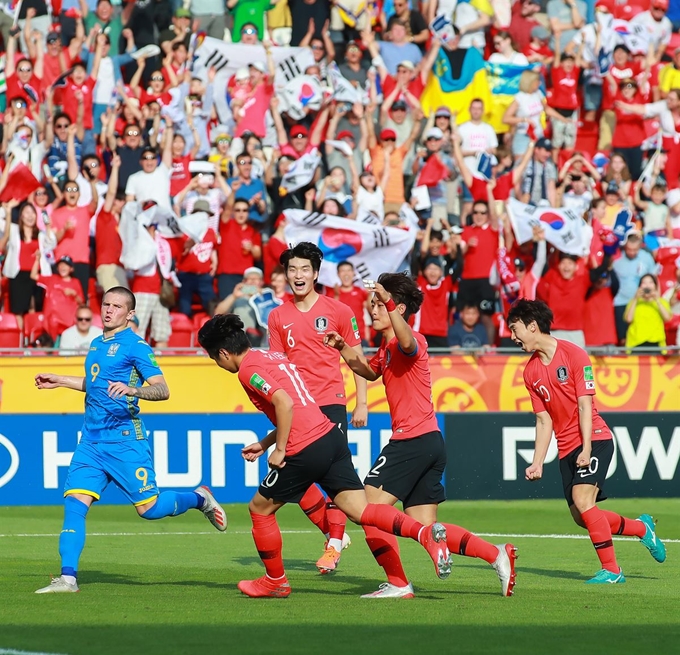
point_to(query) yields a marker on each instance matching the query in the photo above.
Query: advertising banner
(191, 450)
(488, 453)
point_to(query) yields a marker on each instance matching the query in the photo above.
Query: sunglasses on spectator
(92, 164)
(300, 136)
(390, 139)
(132, 133)
(19, 104)
(61, 126)
(157, 78)
(241, 209)
(24, 69)
(85, 319)
(244, 162)
(249, 30)
(223, 141)
(149, 157)
(480, 211)
(71, 189)
(52, 41)
(40, 193)
(317, 47)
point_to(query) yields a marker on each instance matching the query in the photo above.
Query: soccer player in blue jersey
(113, 446)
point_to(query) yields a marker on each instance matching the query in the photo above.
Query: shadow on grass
(252, 638)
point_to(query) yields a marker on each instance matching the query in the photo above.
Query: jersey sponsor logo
(590, 385)
(562, 374)
(113, 349)
(321, 324)
(259, 383)
(588, 375)
(153, 360)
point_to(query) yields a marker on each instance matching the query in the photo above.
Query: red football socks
(267, 538)
(621, 525)
(313, 504)
(385, 549)
(336, 521)
(462, 542)
(391, 520)
(601, 535)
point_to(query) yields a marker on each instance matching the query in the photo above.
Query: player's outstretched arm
(544, 430)
(53, 381)
(156, 390)
(356, 360)
(283, 406)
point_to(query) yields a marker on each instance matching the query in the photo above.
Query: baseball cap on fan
(259, 66)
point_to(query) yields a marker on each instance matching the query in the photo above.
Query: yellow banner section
(459, 384)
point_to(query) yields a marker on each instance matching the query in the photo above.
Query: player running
(113, 446)
(309, 449)
(410, 467)
(297, 328)
(560, 381)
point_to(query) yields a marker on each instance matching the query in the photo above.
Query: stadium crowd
(103, 106)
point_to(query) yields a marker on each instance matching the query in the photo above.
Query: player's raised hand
(251, 452)
(276, 459)
(119, 389)
(334, 340)
(534, 472)
(47, 381)
(380, 293)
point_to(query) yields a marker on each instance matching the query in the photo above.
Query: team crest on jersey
(321, 324)
(388, 357)
(113, 349)
(562, 374)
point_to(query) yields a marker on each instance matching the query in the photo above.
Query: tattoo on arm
(153, 392)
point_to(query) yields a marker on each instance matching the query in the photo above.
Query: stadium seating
(11, 335)
(182, 331)
(34, 326)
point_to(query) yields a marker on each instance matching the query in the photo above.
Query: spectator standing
(538, 186)
(566, 18)
(646, 315)
(657, 27)
(468, 333)
(355, 297)
(211, 17)
(76, 339)
(245, 187)
(433, 318)
(152, 183)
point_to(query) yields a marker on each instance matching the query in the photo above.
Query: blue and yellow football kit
(114, 445)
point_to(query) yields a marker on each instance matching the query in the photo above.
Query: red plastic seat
(200, 320)
(182, 331)
(97, 320)
(34, 326)
(11, 335)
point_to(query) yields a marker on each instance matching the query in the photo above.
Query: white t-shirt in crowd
(465, 14)
(517, 58)
(151, 186)
(531, 106)
(371, 202)
(72, 342)
(578, 204)
(477, 137)
(658, 32)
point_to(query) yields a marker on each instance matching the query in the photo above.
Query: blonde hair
(527, 80)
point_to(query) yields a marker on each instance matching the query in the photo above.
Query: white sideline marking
(10, 651)
(214, 532)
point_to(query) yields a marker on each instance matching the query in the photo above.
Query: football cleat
(328, 561)
(650, 541)
(607, 577)
(434, 541)
(265, 587)
(59, 586)
(505, 568)
(388, 590)
(212, 509)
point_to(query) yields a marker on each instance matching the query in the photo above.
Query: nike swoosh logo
(285, 327)
(537, 381)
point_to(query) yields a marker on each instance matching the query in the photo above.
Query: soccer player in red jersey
(411, 465)
(297, 328)
(308, 449)
(561, 384)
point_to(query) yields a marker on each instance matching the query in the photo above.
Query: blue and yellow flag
(457, 78)
(503, 80)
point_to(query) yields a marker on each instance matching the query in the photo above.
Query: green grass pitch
(169, 587)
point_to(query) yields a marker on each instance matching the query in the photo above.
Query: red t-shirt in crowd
(147, 283)
(415, 86)
(52, 68)
(197, 260)
(480, 192)
(180, 176)
(262, 374)
(231, 256)
(599, 325)
(567, 298)
(254, 110)
(479, 258)
(555, 388)
(564, 88)
(108, 245)
(59, 309)
(70, 103)
(434, 312)
(630, 128)
(27, 250)
(628, 71)
(270, 255)
(15, 89)
(76, 241)
(408, 388)
(355, 298)
(300, 335)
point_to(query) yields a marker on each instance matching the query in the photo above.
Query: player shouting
(113, 446)
(561, 384)
(297, 328)
(411, 465)
(309, 449)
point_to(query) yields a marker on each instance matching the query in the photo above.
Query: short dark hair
(404, 291)
(223, 332)
(529, 311)
(130, 299)
(303, 250)
(344, 262)
(241, 200)
(59, 115)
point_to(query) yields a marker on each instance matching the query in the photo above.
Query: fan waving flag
(433, 172)
(301, 172)
(457, 78)
(372, 249)
(20, 184)
(504, 84)
(563, 228)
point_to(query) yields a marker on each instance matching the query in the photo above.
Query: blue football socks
(173, 503)
(72, 537)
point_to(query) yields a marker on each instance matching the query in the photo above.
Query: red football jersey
(555, 388)
(300, 335)
(408, 388)
(262, 374)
